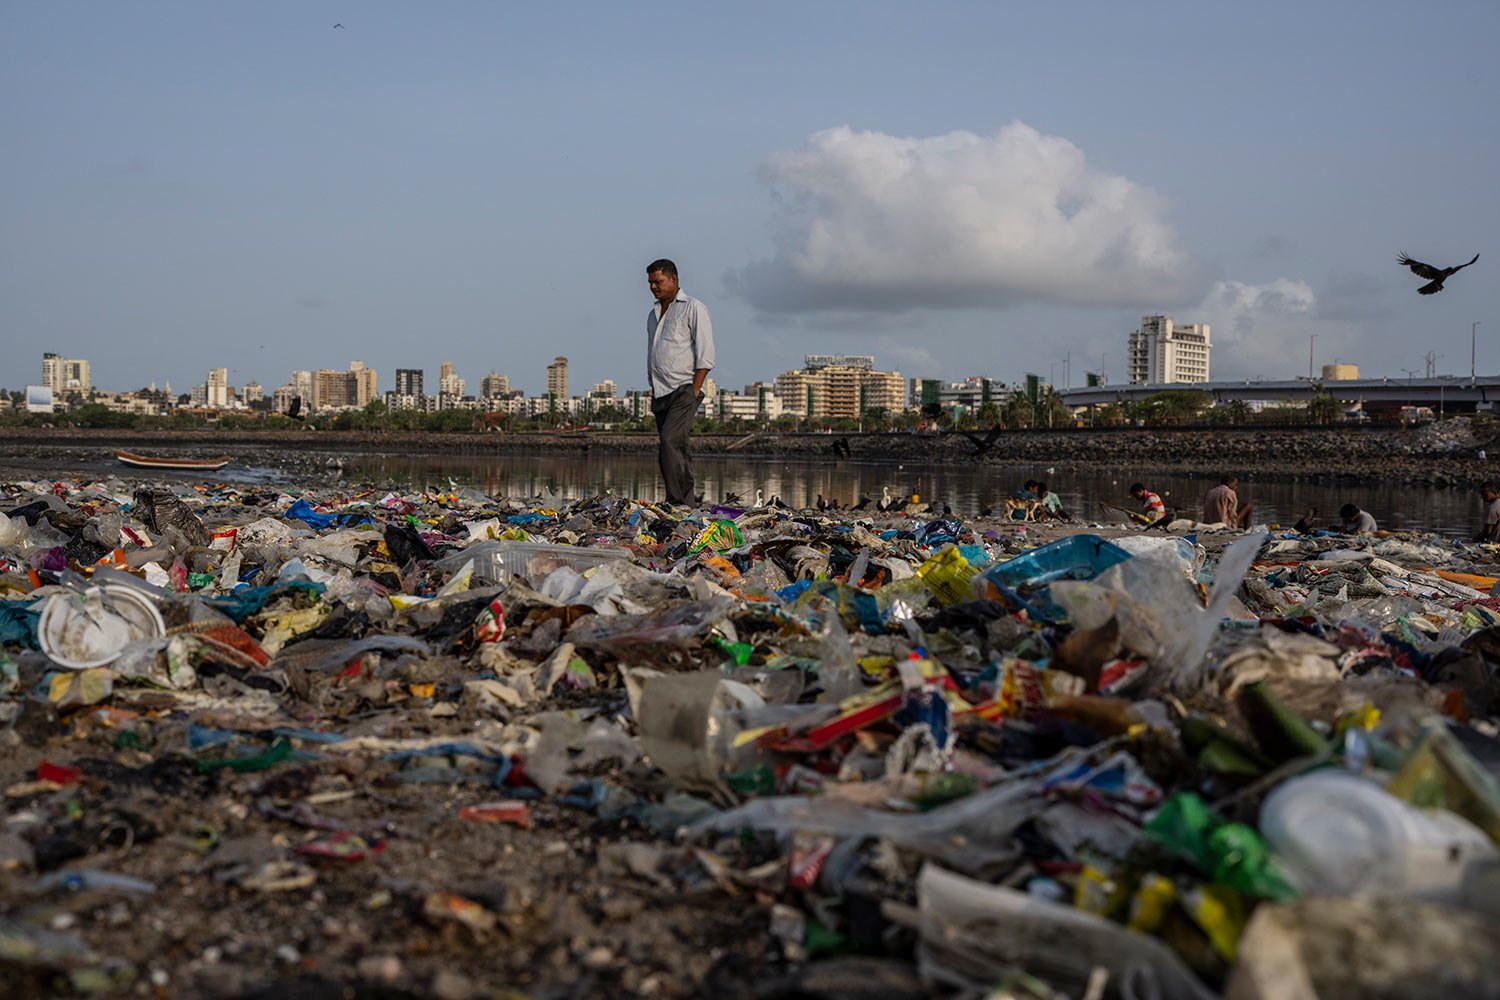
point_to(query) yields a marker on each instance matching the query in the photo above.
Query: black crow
(986, 443)
(1435, 276)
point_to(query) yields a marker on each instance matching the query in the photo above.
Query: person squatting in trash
(1490, 530)
(1356, 521)
(1221, 505)
(1152, 508)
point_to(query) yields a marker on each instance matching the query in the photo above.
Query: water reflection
(967, 488)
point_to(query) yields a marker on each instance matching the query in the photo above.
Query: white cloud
(1263, 330)
(875, 222)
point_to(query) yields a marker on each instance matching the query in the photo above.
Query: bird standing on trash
(1435, 275)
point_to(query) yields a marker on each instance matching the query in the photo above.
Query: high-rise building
(216, 388)
(1161, 352)
(607, 389)
(882, 391)
(840, 391)
(252, 392)
(449, 384)
(299, 386)
(1339, 372)
(409, 381)
(493, 386)
(364, 379)
(342, 390)
(970, 393)
(557, 378)
(65, 375)
(801, 392)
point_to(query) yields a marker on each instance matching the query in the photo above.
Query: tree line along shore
(1455, 453)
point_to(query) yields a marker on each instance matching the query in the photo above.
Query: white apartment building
(557, 378)
(1161, 352)
(493, 385)
(448, 381)
(216, 389)
(64, 375)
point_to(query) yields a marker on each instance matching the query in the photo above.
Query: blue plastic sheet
(303, 511)
(243, 602)
(1077, 557)
(426, 775)
(18, 622)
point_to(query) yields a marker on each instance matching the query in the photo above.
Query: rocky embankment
(1444, 454)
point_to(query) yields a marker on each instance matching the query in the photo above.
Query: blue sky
(957, 188)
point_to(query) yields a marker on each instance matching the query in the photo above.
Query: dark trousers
(674, 414)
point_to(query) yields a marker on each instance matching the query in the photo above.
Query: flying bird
(338, 25)
(1435, 276)
(986, 443)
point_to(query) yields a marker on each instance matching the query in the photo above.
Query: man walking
(679, 356)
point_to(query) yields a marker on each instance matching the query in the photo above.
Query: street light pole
(1310, 338)
(1473, 333)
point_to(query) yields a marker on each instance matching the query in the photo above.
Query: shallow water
(967, 488)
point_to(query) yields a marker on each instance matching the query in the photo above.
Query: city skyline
(984, 188)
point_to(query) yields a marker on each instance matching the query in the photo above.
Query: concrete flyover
(1461, 392)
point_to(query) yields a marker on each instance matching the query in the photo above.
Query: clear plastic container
(1339, 834)
(499, 561)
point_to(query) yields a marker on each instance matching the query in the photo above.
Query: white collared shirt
(678, 344)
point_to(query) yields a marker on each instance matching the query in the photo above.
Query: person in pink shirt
(1490, 531)
(1221, 505)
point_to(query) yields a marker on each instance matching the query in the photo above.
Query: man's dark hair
(1031, 484)
(1136, 488)
(1489, 486)
(663, 265)
(1348, 511)
(1041, 487)
(1226, 480)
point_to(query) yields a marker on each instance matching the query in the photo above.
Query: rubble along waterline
(967, 487)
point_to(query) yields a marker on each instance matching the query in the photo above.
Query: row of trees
(1016, 411)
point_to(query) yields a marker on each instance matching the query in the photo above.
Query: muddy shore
(1445, 454)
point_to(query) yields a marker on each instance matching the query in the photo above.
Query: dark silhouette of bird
(986, 443)
(295, 410)
(863, 503)
(821, 503)
(1435, 275)
(776, 501)
(338, 25)
(840, 448)
(1304, 523)
(947, 510)
(731, 497)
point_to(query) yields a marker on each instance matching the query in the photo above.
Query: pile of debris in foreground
(452, 745)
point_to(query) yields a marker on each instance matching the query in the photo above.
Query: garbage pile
(446, 743)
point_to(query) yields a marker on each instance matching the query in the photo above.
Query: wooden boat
(173, 464)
